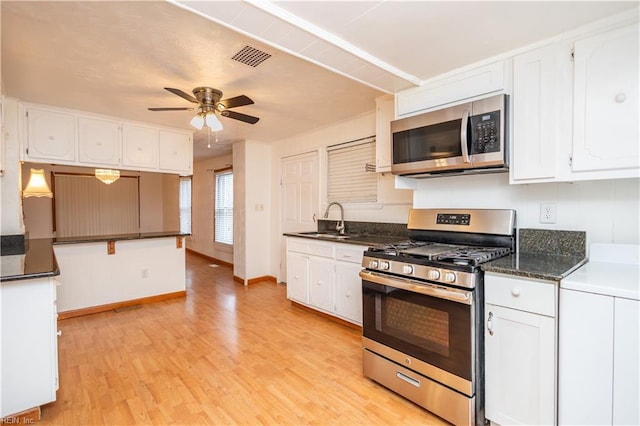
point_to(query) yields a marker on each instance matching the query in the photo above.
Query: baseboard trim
(209, 258)
(326, 316)
(268, 278)
(118, 305)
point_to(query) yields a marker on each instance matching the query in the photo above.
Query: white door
(298, 197)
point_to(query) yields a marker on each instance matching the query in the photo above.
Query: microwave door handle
(464, 143)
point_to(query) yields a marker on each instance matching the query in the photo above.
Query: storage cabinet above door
(176, 151)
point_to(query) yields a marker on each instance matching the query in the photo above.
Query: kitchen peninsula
(105, 272)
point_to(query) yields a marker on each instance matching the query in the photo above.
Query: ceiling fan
(209, 103)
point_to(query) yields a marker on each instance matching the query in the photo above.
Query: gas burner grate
(474, 255)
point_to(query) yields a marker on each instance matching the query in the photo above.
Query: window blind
(85, 206)
(223, 199)
(185, 205)
(348, 180)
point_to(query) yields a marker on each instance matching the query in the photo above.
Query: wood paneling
(225, 354)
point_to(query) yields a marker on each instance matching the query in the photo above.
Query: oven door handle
(452, 294)
(464, 137)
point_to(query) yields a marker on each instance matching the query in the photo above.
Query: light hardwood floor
(225, 354)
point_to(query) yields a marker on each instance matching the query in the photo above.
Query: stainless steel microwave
(464, 139)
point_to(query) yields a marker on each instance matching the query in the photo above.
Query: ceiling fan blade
(182, 94)
(236, 101)
(239, 116)
(170, 109)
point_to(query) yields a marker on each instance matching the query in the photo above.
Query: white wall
(10, 182)
(607, 210)
(202, 190)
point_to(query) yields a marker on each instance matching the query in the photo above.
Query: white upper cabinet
(535, 114)
(61, 136)
(51, 135)
(605, 113)
(176, 151)
(99, 141)
(385, 113)
(140, 146)
(454, 87)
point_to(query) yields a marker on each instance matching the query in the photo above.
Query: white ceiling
(330, 59)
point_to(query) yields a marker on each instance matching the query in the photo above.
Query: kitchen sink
(326, 235)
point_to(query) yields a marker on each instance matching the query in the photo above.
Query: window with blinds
(84, 206)
(185, 205)
(223, 200)
(348, 180)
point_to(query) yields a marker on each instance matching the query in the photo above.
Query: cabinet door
(349, 291)
(321, 283)
(51, 135)
(139, 146)
(535, 114)
(626, 370)
(98, 141)
(606, 101)
(520, 359)
(385, 107)
(176, 151)
(29, 345)
(297, 277)
(585, 358)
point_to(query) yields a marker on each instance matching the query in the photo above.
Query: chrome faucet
(340, 224)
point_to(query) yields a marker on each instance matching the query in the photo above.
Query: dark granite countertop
(117, 237)
(38, 261)
(357, 239)
(536, 265)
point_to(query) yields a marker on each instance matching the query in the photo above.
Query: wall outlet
(547, 213)
(144, 273)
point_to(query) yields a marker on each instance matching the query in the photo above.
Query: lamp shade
(213, 122)
(37, 185)
(107, 176)
(197, 121)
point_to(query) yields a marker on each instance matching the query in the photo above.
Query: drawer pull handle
(408, 379)
(515, 292)
(490, 323)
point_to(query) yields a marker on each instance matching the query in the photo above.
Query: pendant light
(107, 176)
(37, 185)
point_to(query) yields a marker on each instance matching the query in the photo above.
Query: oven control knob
(433, 274)
(449, 277)
(407, 269)
(384, 265)
(373, 264)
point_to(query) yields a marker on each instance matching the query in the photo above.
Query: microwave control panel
(485, 131)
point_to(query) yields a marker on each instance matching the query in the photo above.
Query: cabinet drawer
(319, 249)
(296, 244)
(523, 294)
(349, 254)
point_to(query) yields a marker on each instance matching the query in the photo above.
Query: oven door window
(436, 331)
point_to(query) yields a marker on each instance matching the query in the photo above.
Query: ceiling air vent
(251, 56)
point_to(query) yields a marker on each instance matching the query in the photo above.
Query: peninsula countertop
(39, 260)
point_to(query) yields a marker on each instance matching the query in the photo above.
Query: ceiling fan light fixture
(197, 121)
(212, 122)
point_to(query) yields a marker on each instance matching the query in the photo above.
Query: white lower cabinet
(29, 341)
(520, 350)
(325, 276)
(598, 362)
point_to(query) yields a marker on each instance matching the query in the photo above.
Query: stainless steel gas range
(423, 309)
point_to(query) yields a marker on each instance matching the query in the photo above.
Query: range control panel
(453, 219)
